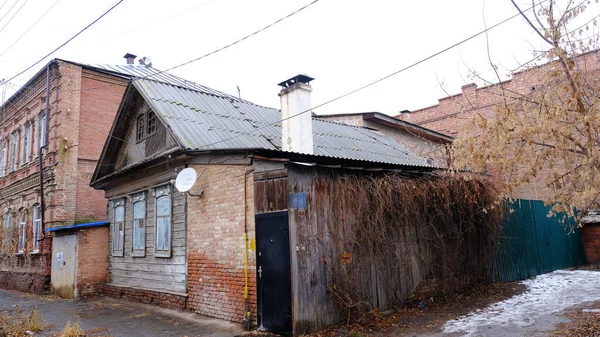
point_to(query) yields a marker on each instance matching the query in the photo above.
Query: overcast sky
(343, 44)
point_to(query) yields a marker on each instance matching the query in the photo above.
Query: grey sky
(342, 43)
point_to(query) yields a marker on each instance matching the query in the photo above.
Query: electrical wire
(185, 63)
(3, 4)
(8, 11)
(28, 29)
(69, 40)
(12, 17)
(380, 79)
(233, 43)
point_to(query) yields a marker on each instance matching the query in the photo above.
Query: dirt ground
(415, 320)
(583, 322)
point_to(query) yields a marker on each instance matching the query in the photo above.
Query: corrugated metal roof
(147, 72)
(201, 120)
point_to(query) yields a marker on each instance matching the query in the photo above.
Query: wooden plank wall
(271, 187)
(149, 272)
(312, 304)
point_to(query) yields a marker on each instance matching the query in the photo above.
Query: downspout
(42, 146)
(247, 321)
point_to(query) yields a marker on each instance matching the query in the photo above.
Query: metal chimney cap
(301, 78)
(128, 55)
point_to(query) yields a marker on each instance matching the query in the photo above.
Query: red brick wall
(92, 263)
(161, 299)
(216, 245)
(591, 242)
(101, 96)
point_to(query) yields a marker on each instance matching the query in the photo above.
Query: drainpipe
(247, 321)
(42, 147)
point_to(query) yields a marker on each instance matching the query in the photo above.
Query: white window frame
(14, 150)
(37, 227)
(43, 132)
(7, 242)
(26, 143)
(3, 161)
(161, 194)
(22, 228)
(118, 229)
(138, 236)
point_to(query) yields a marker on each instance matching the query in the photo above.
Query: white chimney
(296, 127)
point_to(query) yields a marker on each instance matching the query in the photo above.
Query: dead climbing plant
(395, 236)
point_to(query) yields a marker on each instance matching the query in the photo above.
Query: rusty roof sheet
(202, 120)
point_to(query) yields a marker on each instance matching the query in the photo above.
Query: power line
(188, 62)
(8, 11)
(382, 78)
(69, 40)
(30, 27)
(12, 17)
(3, 4)
(235, 42)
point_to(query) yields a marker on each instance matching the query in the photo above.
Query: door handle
(259, 272)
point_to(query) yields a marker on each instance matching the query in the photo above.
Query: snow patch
(546, 294)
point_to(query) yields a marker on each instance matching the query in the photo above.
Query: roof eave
(432, 135)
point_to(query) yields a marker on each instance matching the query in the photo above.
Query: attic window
(151, 122)
(140, 126)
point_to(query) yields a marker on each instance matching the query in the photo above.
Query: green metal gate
(533, 244)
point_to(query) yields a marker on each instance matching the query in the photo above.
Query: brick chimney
(130, 58)
(296, 127)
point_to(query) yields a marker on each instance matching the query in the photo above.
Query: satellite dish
(185, 179)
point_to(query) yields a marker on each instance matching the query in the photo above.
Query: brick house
(419, 140)
(67, 108)
(234, 246)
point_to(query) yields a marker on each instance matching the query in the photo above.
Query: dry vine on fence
(396, 237)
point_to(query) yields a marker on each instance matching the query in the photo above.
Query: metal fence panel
(533, 244)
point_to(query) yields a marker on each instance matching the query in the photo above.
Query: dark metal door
(273, 272)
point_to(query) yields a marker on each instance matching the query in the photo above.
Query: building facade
(54, 124)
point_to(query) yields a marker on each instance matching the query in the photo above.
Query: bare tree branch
(530, 23)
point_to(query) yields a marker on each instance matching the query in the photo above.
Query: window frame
(26, 143)
(42, 130)
(22, 227)
(8, 228)
(140, 128)
(3, 158)
(116, 250)
(154, 121)
(37, 227)
(163, 193)
(14, 150)
(137, 200)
